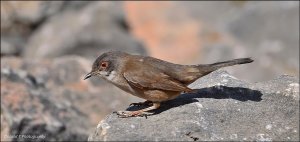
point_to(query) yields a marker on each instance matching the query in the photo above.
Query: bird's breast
(120, 82)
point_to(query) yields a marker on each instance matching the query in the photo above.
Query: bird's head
(106, 65)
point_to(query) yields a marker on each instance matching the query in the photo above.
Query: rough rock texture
(225, 108)
(31, 112)
(50, 99)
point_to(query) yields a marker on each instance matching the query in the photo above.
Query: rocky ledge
(224, 108)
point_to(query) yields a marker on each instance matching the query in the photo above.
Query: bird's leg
(146, 103)
(141, 112)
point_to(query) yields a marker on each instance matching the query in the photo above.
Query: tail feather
(215, 66)
(231, 62)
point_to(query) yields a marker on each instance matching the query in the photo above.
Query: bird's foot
(146, 103)
(125, 114)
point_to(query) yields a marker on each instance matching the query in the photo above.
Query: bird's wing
(154, 79)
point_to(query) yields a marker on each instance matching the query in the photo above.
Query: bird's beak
(87, 76)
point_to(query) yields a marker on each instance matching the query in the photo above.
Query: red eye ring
(104, 64)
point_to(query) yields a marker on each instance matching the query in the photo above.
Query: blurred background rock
(47, 47)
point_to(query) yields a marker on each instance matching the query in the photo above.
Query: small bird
(150, 78)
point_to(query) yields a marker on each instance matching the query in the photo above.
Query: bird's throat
(111, 76)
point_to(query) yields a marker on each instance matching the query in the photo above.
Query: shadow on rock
(215, 92)
(224, 92)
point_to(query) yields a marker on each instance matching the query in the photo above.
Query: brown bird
(149, 78)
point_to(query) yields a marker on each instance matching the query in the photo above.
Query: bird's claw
(125, 114)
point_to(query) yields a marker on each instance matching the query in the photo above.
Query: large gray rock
(50, 99)
(30, 112)
(224, 108)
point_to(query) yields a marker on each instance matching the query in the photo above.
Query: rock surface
(31, 113)
(224, 108)
(50, 99)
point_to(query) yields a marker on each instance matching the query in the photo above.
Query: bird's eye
(104, 64)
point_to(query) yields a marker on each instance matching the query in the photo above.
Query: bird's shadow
(215, 92)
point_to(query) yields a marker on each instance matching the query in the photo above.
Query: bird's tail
(215, 66)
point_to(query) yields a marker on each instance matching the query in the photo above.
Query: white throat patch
(111, 76)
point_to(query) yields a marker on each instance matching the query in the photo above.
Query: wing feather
(154, 79)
